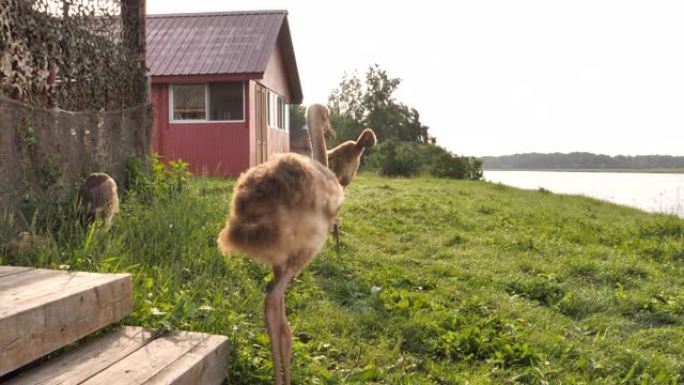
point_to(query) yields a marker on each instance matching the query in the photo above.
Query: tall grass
(438, 282)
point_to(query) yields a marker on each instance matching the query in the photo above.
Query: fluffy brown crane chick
(318, 123)
(98, 197)
(281, 214)
(24, 242)
(344, 161)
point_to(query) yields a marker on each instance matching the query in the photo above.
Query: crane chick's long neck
(318, 147)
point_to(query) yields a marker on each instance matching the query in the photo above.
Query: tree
(406, 146)
(297, 118)
(357, 104)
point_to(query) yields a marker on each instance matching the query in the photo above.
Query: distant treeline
(580, 160)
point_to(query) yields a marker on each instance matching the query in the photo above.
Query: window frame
(272, 111)
(287, 117)
(206, 105)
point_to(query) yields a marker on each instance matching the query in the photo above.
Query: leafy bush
(394, 158)
(443, 164)
(156, 180)
(474, 170)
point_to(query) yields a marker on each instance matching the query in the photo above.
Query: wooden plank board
(38, 318)
(129, 355)
(16, 281)
(46, 283)
(55, 286)
(10, 270)
(87, 360)
(142, 365)
(206, 364)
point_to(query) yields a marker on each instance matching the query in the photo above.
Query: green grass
(626, 170)
(438, 282)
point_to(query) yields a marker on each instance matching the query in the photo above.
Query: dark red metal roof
(220, 43)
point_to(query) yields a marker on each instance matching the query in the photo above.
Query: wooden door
(261, 125)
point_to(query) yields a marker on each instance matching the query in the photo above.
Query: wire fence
(45, 154)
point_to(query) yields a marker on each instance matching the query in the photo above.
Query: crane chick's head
(366, 139)
(318, 115)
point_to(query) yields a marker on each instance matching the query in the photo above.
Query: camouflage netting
(57, 57)
(77, 55)
(45, 154)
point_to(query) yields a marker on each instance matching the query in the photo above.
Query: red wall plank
(214, 149)
(275, 77)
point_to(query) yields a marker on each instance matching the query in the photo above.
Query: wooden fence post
(133, 14)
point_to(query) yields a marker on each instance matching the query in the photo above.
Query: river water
(647, 191)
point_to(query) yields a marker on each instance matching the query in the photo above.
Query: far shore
(625, 170)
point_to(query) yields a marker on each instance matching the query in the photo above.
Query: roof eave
(200, 78)
(290, 60)
(220, 13)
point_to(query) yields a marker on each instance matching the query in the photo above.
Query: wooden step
(130, 355)
(44, 310)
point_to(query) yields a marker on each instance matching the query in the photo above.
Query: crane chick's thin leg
(273, 315)
(336, 233)
(286, 344)
(294, 264)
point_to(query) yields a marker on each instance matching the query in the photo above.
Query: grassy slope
(439, 282)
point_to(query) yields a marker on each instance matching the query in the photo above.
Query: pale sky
(496, 77)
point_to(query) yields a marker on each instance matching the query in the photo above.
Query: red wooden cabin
(221, 86)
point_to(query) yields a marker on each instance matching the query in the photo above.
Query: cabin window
(225, 101)
(188, 102)
(215, 102)
(277, 111)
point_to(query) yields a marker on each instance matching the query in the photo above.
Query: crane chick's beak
(330, 131)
